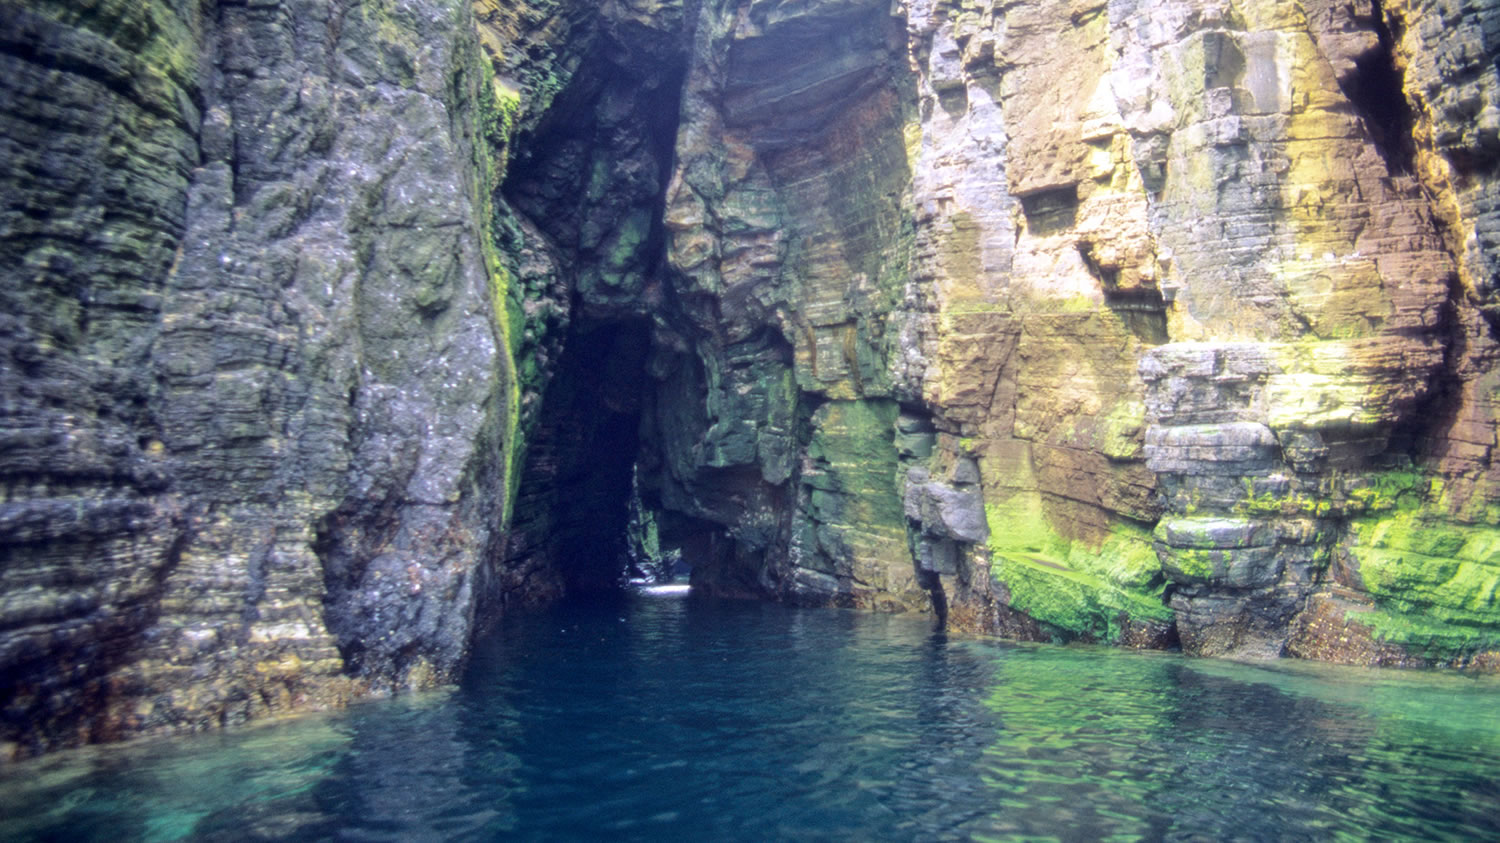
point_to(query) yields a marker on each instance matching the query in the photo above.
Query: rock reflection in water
(665, 717)
(257, 783)
(433, 769)
(1167, 748)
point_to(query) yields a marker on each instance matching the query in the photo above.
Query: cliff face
(1236, 294)
(257, 407)
(1120, 321)
(332, 330)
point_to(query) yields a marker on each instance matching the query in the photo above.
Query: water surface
(661, 717)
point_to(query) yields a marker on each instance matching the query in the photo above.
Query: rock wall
(789, 238)
(1148, 323)
(258, 409)
(1232, 273)
(332, 330)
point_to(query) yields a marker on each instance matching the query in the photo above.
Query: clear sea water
(664, 718)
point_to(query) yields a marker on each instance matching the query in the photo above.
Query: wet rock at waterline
(332, 333)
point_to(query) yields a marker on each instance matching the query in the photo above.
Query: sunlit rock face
(1168, 319)
(331, 333)
(1232, 284)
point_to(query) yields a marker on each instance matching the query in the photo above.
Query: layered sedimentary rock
(789, 238)
(1249, 187)
(1187, 300)
(333, 330)
(257, 404)
(1175, 288)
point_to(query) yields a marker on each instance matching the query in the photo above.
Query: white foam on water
(666, 590)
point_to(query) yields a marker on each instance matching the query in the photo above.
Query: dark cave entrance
(573, 508)
(589, 177)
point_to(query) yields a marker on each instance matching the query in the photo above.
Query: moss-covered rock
(851, 524)
(1434, 584)
(1082, 590)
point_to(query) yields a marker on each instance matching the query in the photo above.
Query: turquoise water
(663, 718)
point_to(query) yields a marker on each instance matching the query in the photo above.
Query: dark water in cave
(660, 718)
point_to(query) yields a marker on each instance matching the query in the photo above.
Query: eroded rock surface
(1239, 200)
(333, 330)
(1188, 298)
(256, 401)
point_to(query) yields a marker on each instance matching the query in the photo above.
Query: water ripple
(664, 717)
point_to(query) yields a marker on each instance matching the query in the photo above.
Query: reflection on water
(663, 717)
(665, 589)
(1164, 747)
(164, 790)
